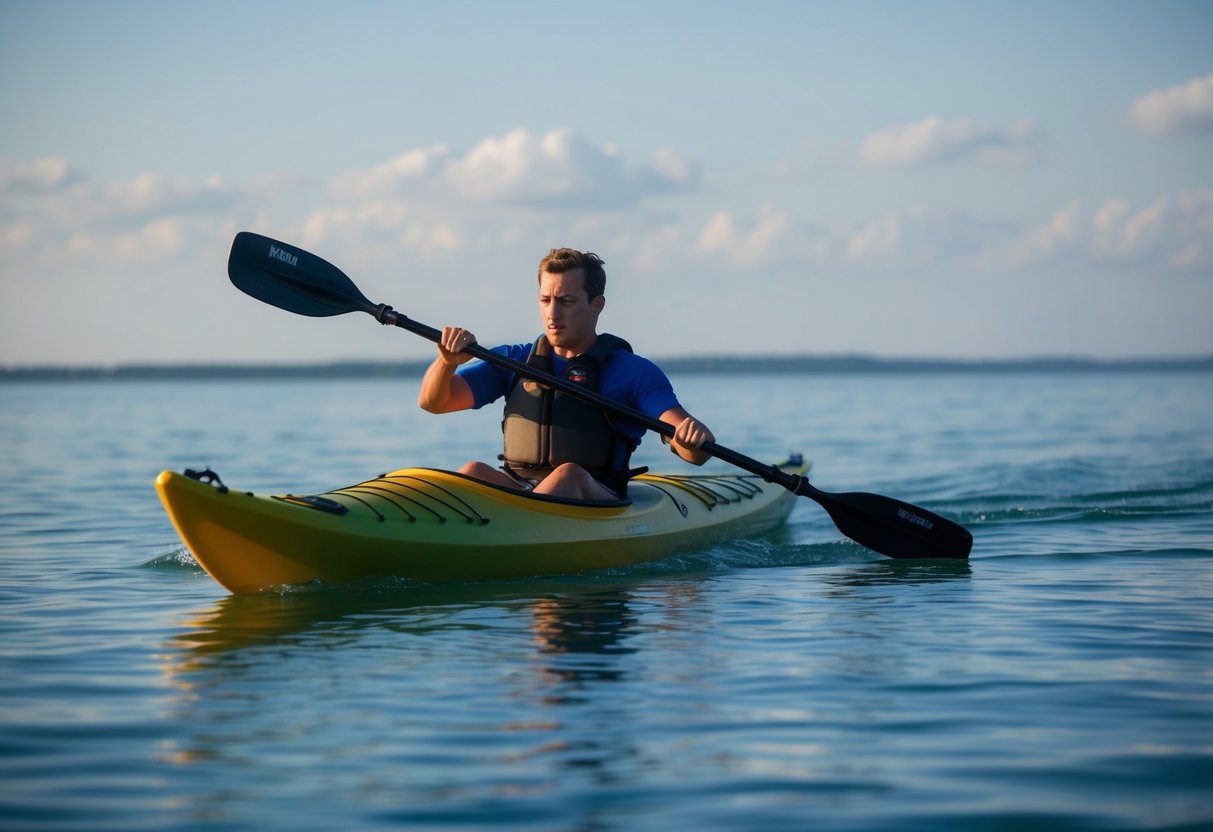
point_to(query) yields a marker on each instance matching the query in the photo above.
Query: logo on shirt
(580, 375)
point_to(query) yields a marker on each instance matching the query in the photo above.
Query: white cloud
(1185, 108)
(558, 169)
(523, 168)
(428, 202)
(1171, 232)
(151, 197)
(651, 251)
(936, 141)
(1109, 230)
(433, 202)
(912, 238)
(1194, 230)
(743, 247)
(918, 237)
(672, 167)
(401, 175)
(430, 205)
(52, 213)
(379, 232)
(1176, 232)
(1056, 237)
(159, 239)
(38, 177)
(878, 238)
(56, 191)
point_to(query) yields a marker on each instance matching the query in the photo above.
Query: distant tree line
(720, 365)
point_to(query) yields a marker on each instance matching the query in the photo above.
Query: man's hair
(561, 260)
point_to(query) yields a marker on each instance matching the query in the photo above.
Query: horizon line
(706, 363)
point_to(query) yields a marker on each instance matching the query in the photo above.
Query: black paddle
(291, 279)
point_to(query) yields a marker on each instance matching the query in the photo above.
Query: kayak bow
(433, 525)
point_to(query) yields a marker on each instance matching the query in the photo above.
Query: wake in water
(1093, 505)
(175, 558)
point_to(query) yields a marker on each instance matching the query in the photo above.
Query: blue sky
(932, 179)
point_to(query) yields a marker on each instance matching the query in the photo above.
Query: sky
(955, 180)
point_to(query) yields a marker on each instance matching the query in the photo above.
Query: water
(1061, 679)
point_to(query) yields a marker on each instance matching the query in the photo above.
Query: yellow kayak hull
(433, 525)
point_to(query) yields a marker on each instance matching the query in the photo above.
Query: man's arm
(442, 391)
(689, 435)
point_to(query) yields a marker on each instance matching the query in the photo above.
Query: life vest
(544, 428)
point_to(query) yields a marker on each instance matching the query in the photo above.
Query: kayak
(440, 526)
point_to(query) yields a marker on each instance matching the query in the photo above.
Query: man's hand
(692, 433)
(450, 348)
(689, 435)
(441, 390)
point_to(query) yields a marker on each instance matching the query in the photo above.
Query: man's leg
(490, 475)
(574, 482)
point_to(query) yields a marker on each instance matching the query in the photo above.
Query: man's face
(570, 318)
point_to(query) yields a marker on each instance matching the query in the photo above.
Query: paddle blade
(292, 279)
(894, 528)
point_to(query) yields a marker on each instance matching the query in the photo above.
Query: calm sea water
(1061, 679)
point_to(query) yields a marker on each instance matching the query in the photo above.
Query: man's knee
(476, 469)
(569, 472)
(571, 480)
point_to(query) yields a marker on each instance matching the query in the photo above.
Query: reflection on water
(575, 637)
(904, 572)
(303, 613)
(566, 617)
(583, 626)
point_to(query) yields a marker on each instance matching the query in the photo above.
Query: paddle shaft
(771, 473)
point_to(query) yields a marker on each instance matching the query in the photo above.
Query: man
(555, 444)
